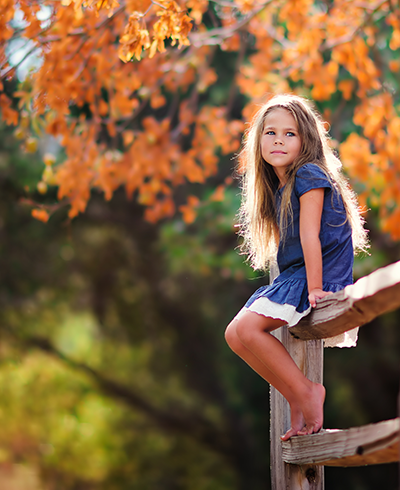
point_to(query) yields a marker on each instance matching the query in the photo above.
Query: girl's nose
(278, 141)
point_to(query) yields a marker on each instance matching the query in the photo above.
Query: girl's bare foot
(313, 411)
(296, 421)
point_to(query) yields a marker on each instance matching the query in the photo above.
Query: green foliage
(209, 245)
(21, 168)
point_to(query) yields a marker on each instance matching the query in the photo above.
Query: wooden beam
(358, 446)
(309, 358)
(354, 306)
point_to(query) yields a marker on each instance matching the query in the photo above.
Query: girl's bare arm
(311, 204)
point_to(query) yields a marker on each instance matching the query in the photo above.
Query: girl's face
(280, 141)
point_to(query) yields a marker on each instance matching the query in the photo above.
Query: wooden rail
(358, 446)
(354, 306)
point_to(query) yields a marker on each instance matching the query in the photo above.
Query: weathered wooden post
(309, 357)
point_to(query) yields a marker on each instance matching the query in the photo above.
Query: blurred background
(114, 373)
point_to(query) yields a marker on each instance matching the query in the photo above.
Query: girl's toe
(306, 431)
(290, 433)
(303, 431)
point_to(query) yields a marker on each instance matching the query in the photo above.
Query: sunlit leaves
(135, 39)
(106, 63)
(98, 4)
(172, 23)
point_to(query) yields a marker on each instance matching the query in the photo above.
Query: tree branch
(190, 424)
(217, 35)
(238, 64)
(6, 74)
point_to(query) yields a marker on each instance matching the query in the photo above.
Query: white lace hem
(288, 313)
(346, 339)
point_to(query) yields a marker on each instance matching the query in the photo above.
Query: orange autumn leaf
(189, 210)
(356, 156)
(9, 115)
(346, 87)
(219, 194)
(394, 65)
(40, 214)
(135, 39)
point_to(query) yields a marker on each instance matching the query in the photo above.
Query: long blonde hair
(258, 220)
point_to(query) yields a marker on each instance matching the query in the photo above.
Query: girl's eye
(289, 133)
(270, 132)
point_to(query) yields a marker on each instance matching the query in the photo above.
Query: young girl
(296, 209)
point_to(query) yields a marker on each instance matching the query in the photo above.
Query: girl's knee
(252, 325)
(246, 333)
(230, 333)
(232, 338)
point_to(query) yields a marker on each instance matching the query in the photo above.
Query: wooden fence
(299, 463)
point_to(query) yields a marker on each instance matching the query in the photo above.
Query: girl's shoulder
(310, 176)
(310, 170)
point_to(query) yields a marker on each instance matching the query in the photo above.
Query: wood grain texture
(358, 446)
(354, 306)
(309, 358)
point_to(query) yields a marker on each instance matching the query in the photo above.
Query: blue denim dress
(287, 297)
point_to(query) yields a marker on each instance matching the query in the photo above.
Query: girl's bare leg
(296, 415)
(304, 396)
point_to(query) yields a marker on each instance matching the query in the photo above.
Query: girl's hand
(315, 294)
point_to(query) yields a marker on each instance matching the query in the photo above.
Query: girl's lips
(279, 152)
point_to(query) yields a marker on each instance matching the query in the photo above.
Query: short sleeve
(309, 177)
